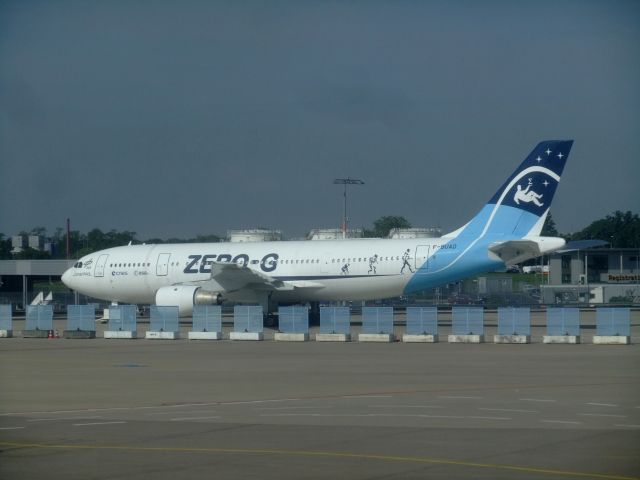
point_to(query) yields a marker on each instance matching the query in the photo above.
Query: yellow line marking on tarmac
(312, 453)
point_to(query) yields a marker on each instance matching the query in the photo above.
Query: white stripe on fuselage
(131, 272)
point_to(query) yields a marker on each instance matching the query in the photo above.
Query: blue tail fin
(521, 204)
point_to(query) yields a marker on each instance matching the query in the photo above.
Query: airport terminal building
(593, 275)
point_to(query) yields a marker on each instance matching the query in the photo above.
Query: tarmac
(142, 409)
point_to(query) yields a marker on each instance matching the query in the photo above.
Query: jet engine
(185, 297)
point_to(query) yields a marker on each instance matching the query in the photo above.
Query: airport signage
(620, 278)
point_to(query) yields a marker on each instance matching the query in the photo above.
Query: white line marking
(293, 408)
(342, 415)
(406, 406)
(10, 428)
(508, 410)
(147, 407)
(248, 402)
(192, 418)
(602, 404)
(61, 419)
(600, 415)
(461, 397)
(628, 426)
(536, 400)
(366, 396)
(173, 413)
(95, 423)
(489, 418)
(562, 421)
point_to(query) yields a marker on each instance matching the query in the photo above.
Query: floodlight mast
(345, 182)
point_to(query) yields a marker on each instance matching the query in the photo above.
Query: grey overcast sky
(178, 118)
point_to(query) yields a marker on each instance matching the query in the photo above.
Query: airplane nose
(66, 278)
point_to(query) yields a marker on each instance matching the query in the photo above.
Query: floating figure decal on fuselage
(345, 269)
(372, 264)
(527, 196)
(405, 261)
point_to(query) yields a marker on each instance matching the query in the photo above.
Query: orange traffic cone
(57, 334)
(50, 335)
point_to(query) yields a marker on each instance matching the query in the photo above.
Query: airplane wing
(231, 277)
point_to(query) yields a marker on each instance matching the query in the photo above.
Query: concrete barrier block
(250, 336)
(333, 337)
(120, 334)
(466, 338)
(157, 335)
(291, 337)
(611, 340)
(35, 333)
(423, 338)
(512, 339)
(6, 333)
(78, 334)
(566, 339)
(205, 335)
(376, 337)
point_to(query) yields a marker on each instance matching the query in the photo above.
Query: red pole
(68, 239)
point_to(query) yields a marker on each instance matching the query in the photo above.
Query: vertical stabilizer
(521, 204)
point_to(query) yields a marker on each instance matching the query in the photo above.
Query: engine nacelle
(185, 297)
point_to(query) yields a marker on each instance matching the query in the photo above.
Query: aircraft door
(162, 267)
(99, 270)
(422, 257)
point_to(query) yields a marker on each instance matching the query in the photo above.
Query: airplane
(505, 231)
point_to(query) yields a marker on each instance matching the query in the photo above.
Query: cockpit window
(78, 265)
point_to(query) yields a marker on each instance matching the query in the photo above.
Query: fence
(81, 317)
(467, 321)
(39, 317)
(377, 320)
(613, 322)
(563, 321)
(247, 319)
(207, 318)
(335, 320)
(293, 319)
(514, 321)
(122, 318)
(6, 318)
(164, 319)
(422, 320)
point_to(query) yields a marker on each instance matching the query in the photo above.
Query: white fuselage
(322, 270)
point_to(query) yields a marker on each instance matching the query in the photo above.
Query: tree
(549, 227)
(40, 231)
(621, 229)
(383, 225)
(5, 248)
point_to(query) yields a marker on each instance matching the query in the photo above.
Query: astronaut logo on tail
(527, 195)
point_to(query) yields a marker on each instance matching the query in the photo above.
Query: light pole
(345, 182)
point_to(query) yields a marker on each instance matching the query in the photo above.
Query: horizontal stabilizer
(516, 251)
